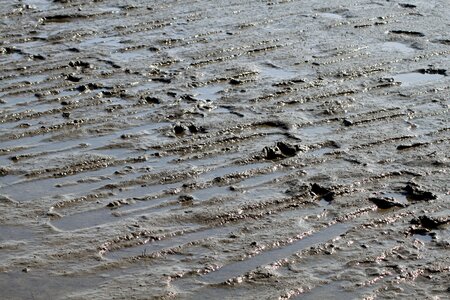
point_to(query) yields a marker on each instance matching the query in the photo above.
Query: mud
(241, 149)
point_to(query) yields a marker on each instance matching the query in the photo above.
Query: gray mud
(224, 149)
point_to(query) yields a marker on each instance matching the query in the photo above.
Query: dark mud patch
(417, 193)
(281, 150)
(407, 33)
(386, 202)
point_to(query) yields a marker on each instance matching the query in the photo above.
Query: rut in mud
(233, 149)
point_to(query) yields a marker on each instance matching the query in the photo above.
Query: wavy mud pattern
(224, 149)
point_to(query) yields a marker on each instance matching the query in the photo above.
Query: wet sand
(233, 149)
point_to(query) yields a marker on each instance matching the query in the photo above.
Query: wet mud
(242, 149)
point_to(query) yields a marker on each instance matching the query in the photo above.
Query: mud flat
(234, 149)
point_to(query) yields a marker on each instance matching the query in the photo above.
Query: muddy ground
(234, 149)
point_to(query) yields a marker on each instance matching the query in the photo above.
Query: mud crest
(224, 149)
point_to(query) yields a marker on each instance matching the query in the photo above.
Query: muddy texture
(224, 149)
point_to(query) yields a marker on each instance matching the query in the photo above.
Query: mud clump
(152, 100)
(4, 171)
(326, 193)
(430, 223)
(280, 150)
(80, 64)
(118, 203)
(432, 71)
(313, 190)
(73, 78)
(186, 200)
(180, 129)
(414, 192)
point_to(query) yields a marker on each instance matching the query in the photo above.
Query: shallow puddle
(416, 78)
(209, 92)
(277, 73)
(397, 47)
(22, 285)
(426, 238)
(15, 233)
(177, 241)
(29, 79)
(331, 16)
(399, 197)
(332, 290)
(240, 268)
(219, 172)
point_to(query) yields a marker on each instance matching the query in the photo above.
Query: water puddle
(15, 233)
(6, 60)
(397, 47)
(324, 203)
(88, 219)
(208, 193)
(321, 151)
(242, 267)
(43, 286)
(25, 79)
(213, 292)
(331, 16)
(259, 179)
(425, 238)
(144, 86)
(416, 78)
(209, 92)
(17, 99)
(277, 73)
(219, 172)
(94, 142)
(77, 184)
(43, 5)
(129, 56)
(140, 207)
(104, 215)
(399, 197)
(332, 290)
(110, 43)
(156, 246)
(314, 134)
